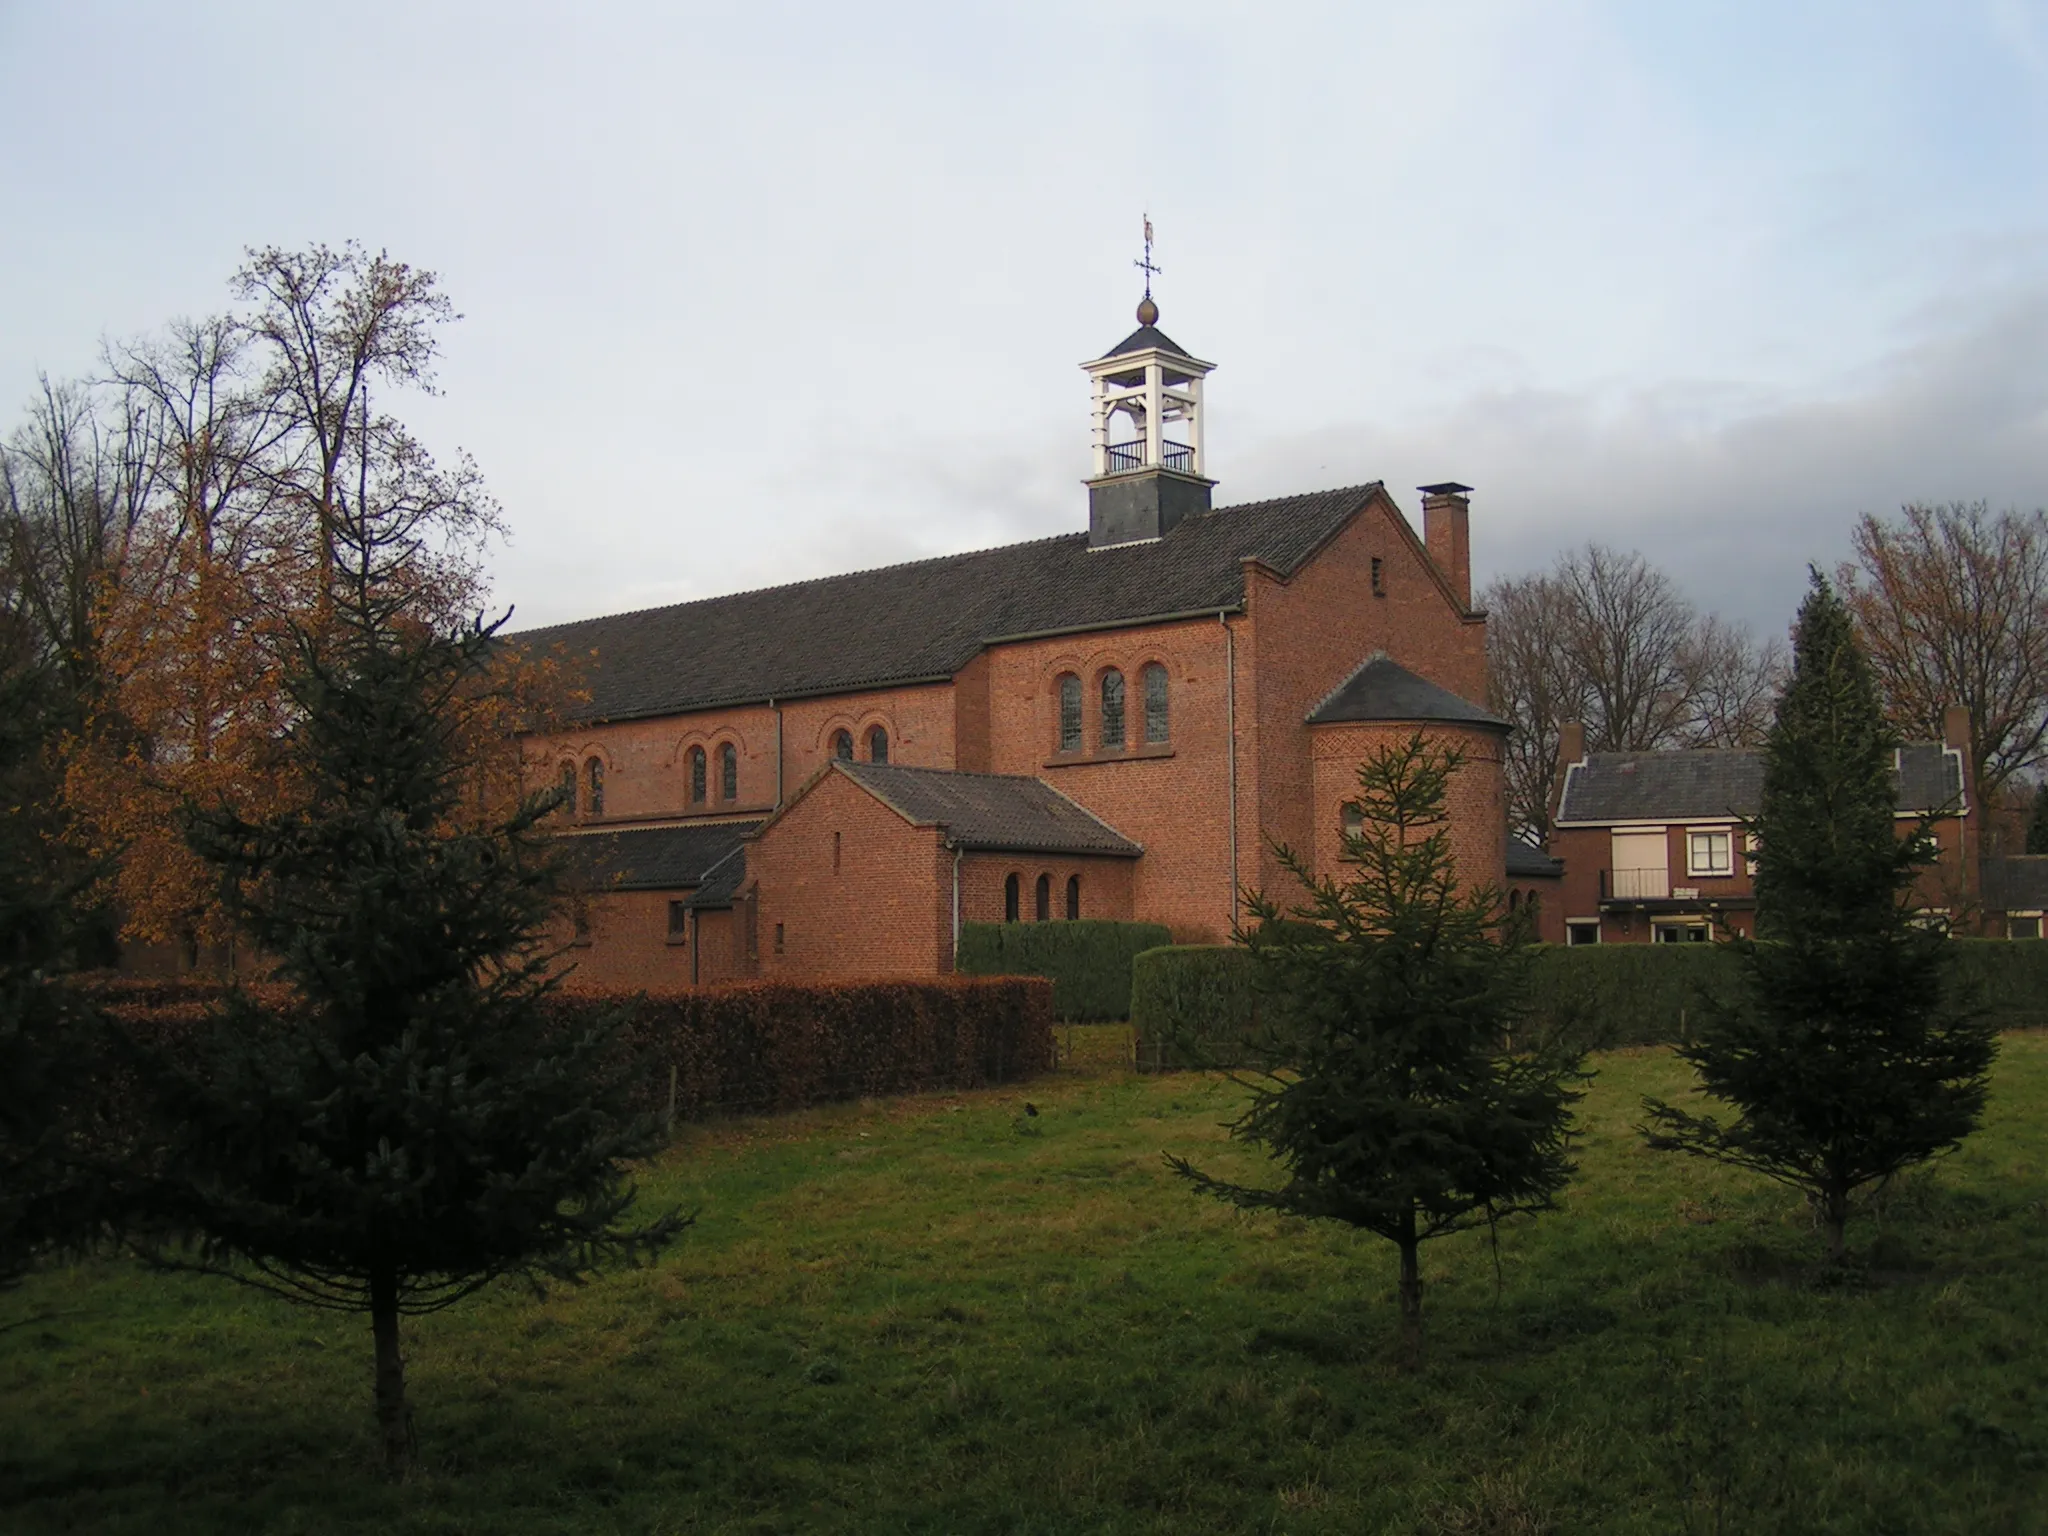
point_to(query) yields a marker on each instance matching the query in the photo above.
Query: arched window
(1112, 709)
(878, 744)
(1010, 889)
(842, 746)
(568, 805)
(1354, 821)
(1042, 899)
(697, 789)
(1153, 680)
(593, 794)
(1073, 898)
(729, 772)
(1070, 713)
(1514, 901)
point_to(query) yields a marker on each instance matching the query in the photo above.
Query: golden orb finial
(1148, 312)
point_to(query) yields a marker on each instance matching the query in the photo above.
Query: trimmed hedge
(1195, 1005)
(747, 1048)
(1088, 962)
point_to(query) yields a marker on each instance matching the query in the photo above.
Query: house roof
(991, 811)
(1382, 689)
(1528, 862)
(924, 621)
(1144, 339)
(721, 880)
(1720, 782)
(2016, 883)
(653, 858)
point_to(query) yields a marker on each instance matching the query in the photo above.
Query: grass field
(946, 1315)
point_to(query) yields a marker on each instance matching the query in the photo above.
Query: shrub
(1088, 962)
(1193, 1005)
(1608, 995)
(2009, 980)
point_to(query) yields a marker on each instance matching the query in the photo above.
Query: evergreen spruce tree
(2037, 824)
(1849, 1056)
(1401, 1095)
(412, 1129)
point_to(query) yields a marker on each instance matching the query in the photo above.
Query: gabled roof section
(1721, 782)
(653, 858)
(1528, 862)
(2018, 882)
(924, 621)
(991, 811)
(1382, 689)
(721, 880)
(1147, 338)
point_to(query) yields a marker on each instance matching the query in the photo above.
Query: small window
(842, 746)
(1582, 930)
(1112, 710)
(1011, 888)
(1153, 680)
(696, 775)
(878, 744)
(835, 853)
(729, 772)
(568, 783)
(2023, 928)
(579, 920)
(1709, 853)
(1073, 898)
(1070, 713)
(678, 922)
(593, 799)
(778, 938)
(1379, 577)
(1678, 933)
(1514, 902)
(1042, 899)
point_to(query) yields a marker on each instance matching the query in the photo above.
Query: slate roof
(1528, 862)
(1715, 782)
(1382, 689)
(923, 621)
(2016, 883)
(1143, 339)
(991, 811)
(721, 880)
(654, 858)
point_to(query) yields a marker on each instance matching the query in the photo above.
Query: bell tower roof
(1147, 338)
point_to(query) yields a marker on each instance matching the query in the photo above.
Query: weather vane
(1144, 264)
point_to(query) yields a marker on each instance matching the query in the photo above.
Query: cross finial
(1144, 263)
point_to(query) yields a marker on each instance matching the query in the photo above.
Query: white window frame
(2024, 917)
(1694, 836)
(1706, 928)
(1580, 925)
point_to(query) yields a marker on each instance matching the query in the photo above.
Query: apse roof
(1382, 689)
(991, 811)
(923, 621)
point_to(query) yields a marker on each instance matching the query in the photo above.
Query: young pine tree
(412, 1130)
(1849, 1057)
(1397, 1096)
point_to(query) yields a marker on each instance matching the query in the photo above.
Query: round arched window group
(1041, 899)
(583, 794)
(698, 769)
(1116, 723)
(877, 741)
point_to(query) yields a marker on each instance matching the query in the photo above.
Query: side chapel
(825, 780)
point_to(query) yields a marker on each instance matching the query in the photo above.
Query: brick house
(827, 778)
(1654, 850)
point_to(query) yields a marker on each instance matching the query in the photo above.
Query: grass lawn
(946, 1315)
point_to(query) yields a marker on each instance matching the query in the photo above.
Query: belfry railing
(1124, 457)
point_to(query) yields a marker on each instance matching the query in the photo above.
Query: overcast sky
(760, 291)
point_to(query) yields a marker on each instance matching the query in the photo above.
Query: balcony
(1640, 885)
(1122, 458)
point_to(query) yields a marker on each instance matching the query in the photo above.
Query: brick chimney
(1571, 747)
(1447, 531)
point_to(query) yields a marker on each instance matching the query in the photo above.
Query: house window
(1379, 577)
(1112, 710)
(1153, 680)
(593, 774)
(878, 744)
(1011, 887)
(696, 775)
(729, 772)
(1582, 930)
(1709, 853)
(1073, 898)
(778, 938)
(842, 746)
(1042, 899)
(1070, 713)
(2023, 927)
(1678, 933)
(568, 777)
(678, 922)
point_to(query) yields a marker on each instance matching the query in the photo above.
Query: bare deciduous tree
(1733, 682)
(1629, 628)
(1951, 603)
(1533, 683)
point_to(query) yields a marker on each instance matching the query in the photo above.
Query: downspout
(778, 752)
(1230, 734)
(956, 908)
(696, 944)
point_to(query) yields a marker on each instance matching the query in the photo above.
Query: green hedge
(1088, 962)
(1195, 1005)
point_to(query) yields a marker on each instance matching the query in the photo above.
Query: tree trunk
(1834, 1214)
(1411, 1291)
(394, 1418)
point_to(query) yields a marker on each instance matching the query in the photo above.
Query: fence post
(670, 1123)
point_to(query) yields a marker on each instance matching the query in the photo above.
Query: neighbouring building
(826, 779)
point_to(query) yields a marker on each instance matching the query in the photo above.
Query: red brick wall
(1106, 886)
(1476, 800)
(629, 943)
(885, 911)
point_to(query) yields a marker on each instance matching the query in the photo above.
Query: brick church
(825, 780)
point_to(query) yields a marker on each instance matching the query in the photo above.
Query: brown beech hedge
(745, 1048)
